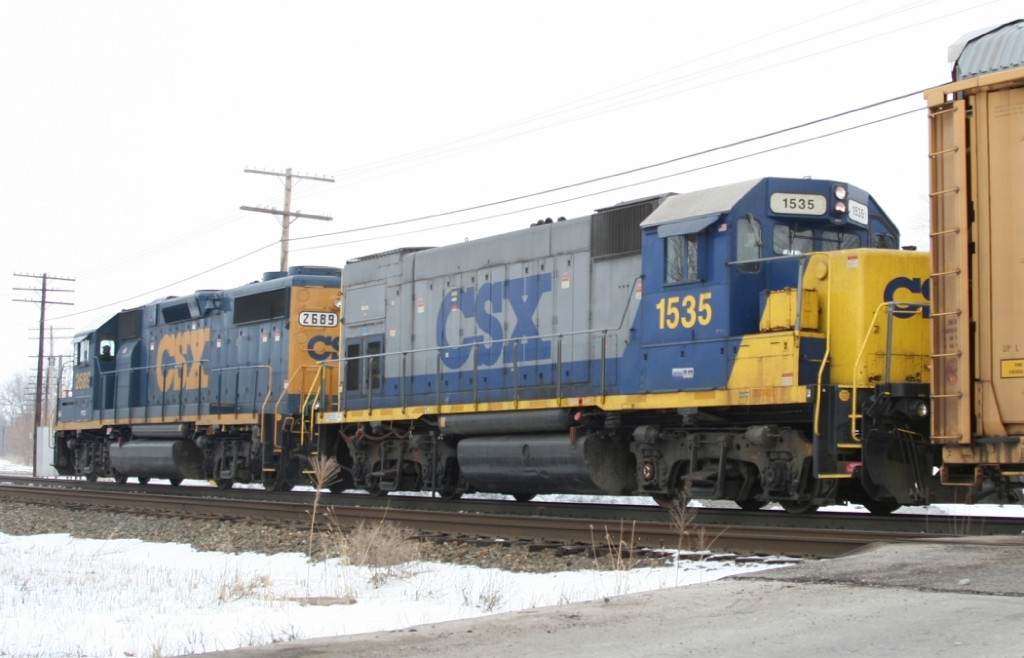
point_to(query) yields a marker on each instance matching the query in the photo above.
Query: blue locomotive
(757, 342)
(210, 385)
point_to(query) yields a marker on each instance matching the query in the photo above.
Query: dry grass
(618, 549)
(386, 549)
(325, 472)
(691, 537)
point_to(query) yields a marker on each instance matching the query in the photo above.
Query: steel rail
(544, 524)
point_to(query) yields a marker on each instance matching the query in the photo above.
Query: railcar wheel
(120, 479)
(523, 497)
(794, 507)
(143, 480)
(224, 485)
(175, 482)
(91, 477)
(751, 505)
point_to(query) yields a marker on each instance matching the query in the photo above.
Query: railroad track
(542, 523)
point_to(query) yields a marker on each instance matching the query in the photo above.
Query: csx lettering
(178, 360)
(322, 348)
(523, 297)
(685, 312)
(914, 286)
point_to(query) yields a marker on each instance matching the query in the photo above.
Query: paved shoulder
(889, 600)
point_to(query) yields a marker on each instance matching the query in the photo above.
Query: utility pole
(287, 216)
(43, 289)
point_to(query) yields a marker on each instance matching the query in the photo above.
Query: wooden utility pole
(287, 216)
(43, 289)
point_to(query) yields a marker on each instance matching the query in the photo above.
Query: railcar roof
(989, 50)
(715, 200)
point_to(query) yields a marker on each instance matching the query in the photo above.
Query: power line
(614, 189)
(605, 177)
(734, 144)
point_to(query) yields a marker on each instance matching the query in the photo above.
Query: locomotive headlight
(839, 207)
(921, 409)
(840, 192)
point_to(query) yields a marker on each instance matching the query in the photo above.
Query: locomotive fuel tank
(547, 463)
(174, 460)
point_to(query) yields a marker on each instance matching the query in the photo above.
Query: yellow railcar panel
(999, 207)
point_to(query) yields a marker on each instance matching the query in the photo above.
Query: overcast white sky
(125, 126)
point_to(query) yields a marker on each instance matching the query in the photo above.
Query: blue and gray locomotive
(210, 385)
(764, 341)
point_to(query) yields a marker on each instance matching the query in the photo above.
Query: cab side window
(82, 353)
(748, 244)
(681, 264)
(106, 349)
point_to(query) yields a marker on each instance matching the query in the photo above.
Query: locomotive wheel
(143, 480)
(175, 482)
(224, 485)
(669, 501)
(374, 489)
(278, 485)
(881, 507)
(91, 477)
(342, 482)
(802, 507)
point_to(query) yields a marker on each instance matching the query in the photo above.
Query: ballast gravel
(250, 537)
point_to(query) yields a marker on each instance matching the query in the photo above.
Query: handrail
(286, 390)
(890, 310)
(404, 358)
(824, 358)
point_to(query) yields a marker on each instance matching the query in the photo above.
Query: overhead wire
(612, 189)
(234, 217)
(619, 174)
(553, 189)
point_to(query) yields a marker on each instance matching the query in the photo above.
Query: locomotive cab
(768, 317)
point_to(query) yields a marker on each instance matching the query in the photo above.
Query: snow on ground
(62, 596)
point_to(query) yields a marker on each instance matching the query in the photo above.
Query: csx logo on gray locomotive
(483, 305)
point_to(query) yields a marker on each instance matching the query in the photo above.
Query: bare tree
(16, 420)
